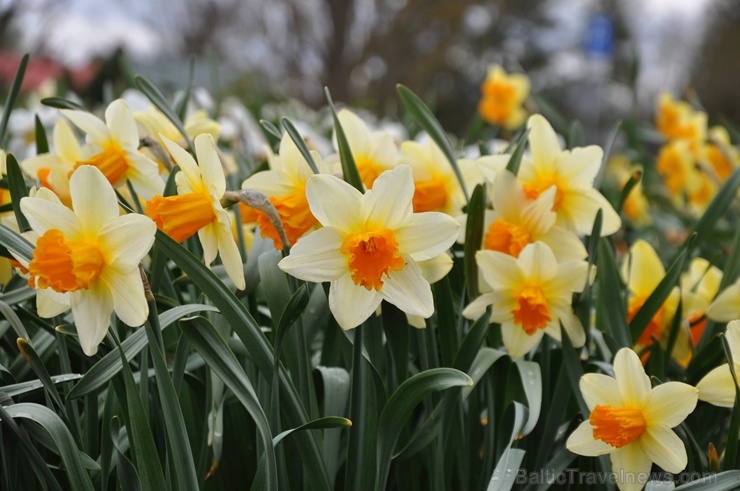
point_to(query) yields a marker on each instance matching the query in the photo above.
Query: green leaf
(40, 370)
(613, 134)
(128, 478)
(140, 433)
(256, 344)
(723, 481)
(474, 238)
(15, 89)
(21, 388)
(335, 384)
(272, 129)
(531, 376)
(349, 167)
(16, 243)
(516, 157)
(42, 144)
(61, 103)
(326, 422)
(575, 136)
(717, 207)
(505, 474)
(65, 443)
(633, 181)
(610, 313)
(424, 116)
(733, 432)
(153, 94)
(18, 190)
(300, 144)
(483, 361)
(214, 350)
(574, 370)
(105, 369)
(14, 320)
(400, 405)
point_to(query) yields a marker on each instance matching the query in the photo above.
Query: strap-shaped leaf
(15, 89)
(18, 191)
(349, 167)
(291, 130)
(153, 94)
(516, 156)
(474, 238)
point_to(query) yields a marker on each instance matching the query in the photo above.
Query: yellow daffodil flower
(92, 253)
(114, 148)
(285, 185)
(370, 246)
(636, 207)
(572, 172)
(721, 155)
(717, 387)
(197, 207)
(502, 98)
(531, 296)
(677, 120)
(726, 306)
(52, 170)
(642, 270)
(373, 151)
(631, 421)
(517, 221)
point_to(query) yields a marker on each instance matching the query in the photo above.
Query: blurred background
(593, 60)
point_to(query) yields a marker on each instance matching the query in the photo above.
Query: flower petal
(670, 403)
(408, 290)
(351, 304)
(726, 307)
(187, 164)
(91, 310)
(642, 269)
(537, 262)
(317, 256)
(120, 120)
(333, 202)
(45, 215)
(90, 124)
(436, 268)
(210, 165)
(126, 240)
(93, 199)
(582, 442)
(477, 307)
(598, 388)
(717, 387)
(389, 201)
(501, 271)
(665, 448)
(229, 250)
(127, 291)
(144, 175)
(518, 342)
(579, 208)
(426, 235)
(633, 383)
(208, 237)
(632, 466)
(543, 142)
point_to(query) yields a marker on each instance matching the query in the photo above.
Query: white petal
(210, 164)
(208, 237)
(65, 142)
(93, 198)
(129, 301)
(633, 383)
(670, 403)
(599, 389)
(582, 442)
(185, 161)
(518, 342)
(572, 325)
(408, 290)
(501, 271)
(537, 262)
(317, 256)
(90, 124)
(91, 310)
(726, 307)
(121, 122)
(571, 277)
(144, 175)
(426, 235)
(508, 196)
(351, 304)
(580, 166)
(717, 387)
(388, 204)
(45, 215)
(270, 183)
(632, 466)
(436, 268)
(564, 244)
(50, 303)
(333, 202)
(733, 339)
(580, 208)
(537, 216)
(665, 448)
(127, 239)
(476, 308)
(543, 142)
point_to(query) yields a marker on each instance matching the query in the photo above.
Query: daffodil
(722, 157)
(197, 207)
(572, 172)
(52, 170)
(636, 206)
(373, 151)
(631, 421)
(717, 387)
(114, 148)
(92, 253)
(700, 284)
(369, 246)
(642, 270)
(502, 98)
(285, 185)
(677, 120)
(517, 221)
(531, 297)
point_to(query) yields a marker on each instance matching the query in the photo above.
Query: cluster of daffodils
(502, 96)
(695, 159)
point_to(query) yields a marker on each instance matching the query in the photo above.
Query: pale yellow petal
(120, 120)
(126, 240)
(91, 309)
(726, 307)
(211, 170)
(717, 387)
(389, 202)
(351, 304)
(334, 203)
(477, 307)
(408, 290)
(45, 215)
(93, 199)
(564, 244)
(598, 388)
(66, 145)
(127, 291)
(228, 250)
(631, 466)
(501, 271)
(582, 442)
(543, 143)
(670, 403)
(436, 268)
(50, 303)
(90, 124)
(187, 164)
(208, 237)
(317, 256)
(733, 339)
(665, 448)
(518, 342)
(633, 383)
(579, 167)
(579, 207)
(508, 197)
(538, 263)
(426, 235)
(642, 269)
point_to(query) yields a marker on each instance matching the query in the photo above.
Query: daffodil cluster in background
(192, 299)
